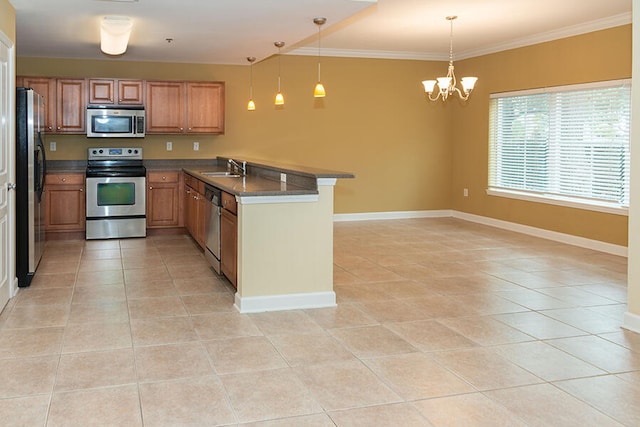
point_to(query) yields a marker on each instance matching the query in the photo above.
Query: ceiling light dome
(114, 34)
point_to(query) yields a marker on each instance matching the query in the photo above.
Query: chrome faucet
(239, 168)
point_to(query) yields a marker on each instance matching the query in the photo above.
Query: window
(567, 145)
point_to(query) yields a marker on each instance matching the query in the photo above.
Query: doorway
(7, 154)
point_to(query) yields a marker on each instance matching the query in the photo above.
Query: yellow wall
(602, 55)
(374, 122)
(7, 19)
(407, 153)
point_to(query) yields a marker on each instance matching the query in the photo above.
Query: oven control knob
(100, 151)
(129, 150)
(94, 151)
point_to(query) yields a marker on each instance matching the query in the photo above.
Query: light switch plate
(169, 145)
(52, 146)
(196, 146)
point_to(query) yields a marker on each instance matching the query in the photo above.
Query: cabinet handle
(58, 127)
(50, 128)
(181, 129)
(150, 187)
(81, 190)
(164, 178)
(64, 179)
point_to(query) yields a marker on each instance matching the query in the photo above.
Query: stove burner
(115, 162)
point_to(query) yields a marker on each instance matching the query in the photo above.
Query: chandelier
(447, 85)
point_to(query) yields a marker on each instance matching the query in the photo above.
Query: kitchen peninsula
(284, 233)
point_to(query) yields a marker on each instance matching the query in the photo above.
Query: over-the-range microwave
(115, 122)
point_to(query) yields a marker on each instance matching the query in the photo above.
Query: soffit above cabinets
(227, 31)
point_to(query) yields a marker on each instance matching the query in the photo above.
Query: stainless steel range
(116, 183)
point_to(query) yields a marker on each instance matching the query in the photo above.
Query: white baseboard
(631, 322)
(285, 302)
(368, 216)
(506, 225)
(555, 236)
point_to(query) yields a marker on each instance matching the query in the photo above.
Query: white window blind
(566, 143)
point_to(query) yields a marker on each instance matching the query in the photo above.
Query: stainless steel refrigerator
(30, 174)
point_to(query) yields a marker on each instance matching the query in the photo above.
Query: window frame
(542, 197)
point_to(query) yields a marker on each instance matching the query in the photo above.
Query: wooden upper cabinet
(205, 107)
(185, 107)
(165, 107)
(116, 92)
(101, 91)
(70, 105)
(130, 92)
(46, 87)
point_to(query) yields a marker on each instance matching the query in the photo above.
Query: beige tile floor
(440, 322)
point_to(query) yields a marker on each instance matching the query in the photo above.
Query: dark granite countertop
(251, 185)
(262, 178)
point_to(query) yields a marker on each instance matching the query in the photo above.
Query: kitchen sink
(223, 174)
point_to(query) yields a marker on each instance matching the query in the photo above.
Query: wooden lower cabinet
(163, 199)
(229, 238)
(194, 209)
(64, 200)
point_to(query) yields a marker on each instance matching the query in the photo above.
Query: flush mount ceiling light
(447, 85)
(279, 96)
(251, 106)
(114, 34)
(319, 91)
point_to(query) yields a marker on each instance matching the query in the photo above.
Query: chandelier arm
(436, 98)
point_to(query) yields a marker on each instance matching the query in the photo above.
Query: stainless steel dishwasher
(212, 226)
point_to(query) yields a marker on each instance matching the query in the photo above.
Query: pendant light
(279, 96)
(319, 91)
(251, 105)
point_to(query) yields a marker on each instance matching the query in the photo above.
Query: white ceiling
(227, 31)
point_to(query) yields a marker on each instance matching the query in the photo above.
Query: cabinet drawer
(190, 181)
(229, 202)
(64, 178)
(163, 177)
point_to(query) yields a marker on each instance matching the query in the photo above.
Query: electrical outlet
(196, 146)
(52, 146)
(169, 145)
(465, 192)
(283, 177)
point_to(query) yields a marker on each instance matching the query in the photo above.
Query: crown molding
(574, 30)
(373, 54)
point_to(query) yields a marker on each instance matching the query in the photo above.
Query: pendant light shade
(114, 34)
(251, 105)
(318, 91)
(279, 100)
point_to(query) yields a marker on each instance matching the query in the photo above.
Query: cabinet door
(64, 202)
(130, 92)
(163, 199)
(165, 107)
(205, 107)
(46, 87)
(101, 91)
(200, 221)
(71, 105)
(229, 246)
